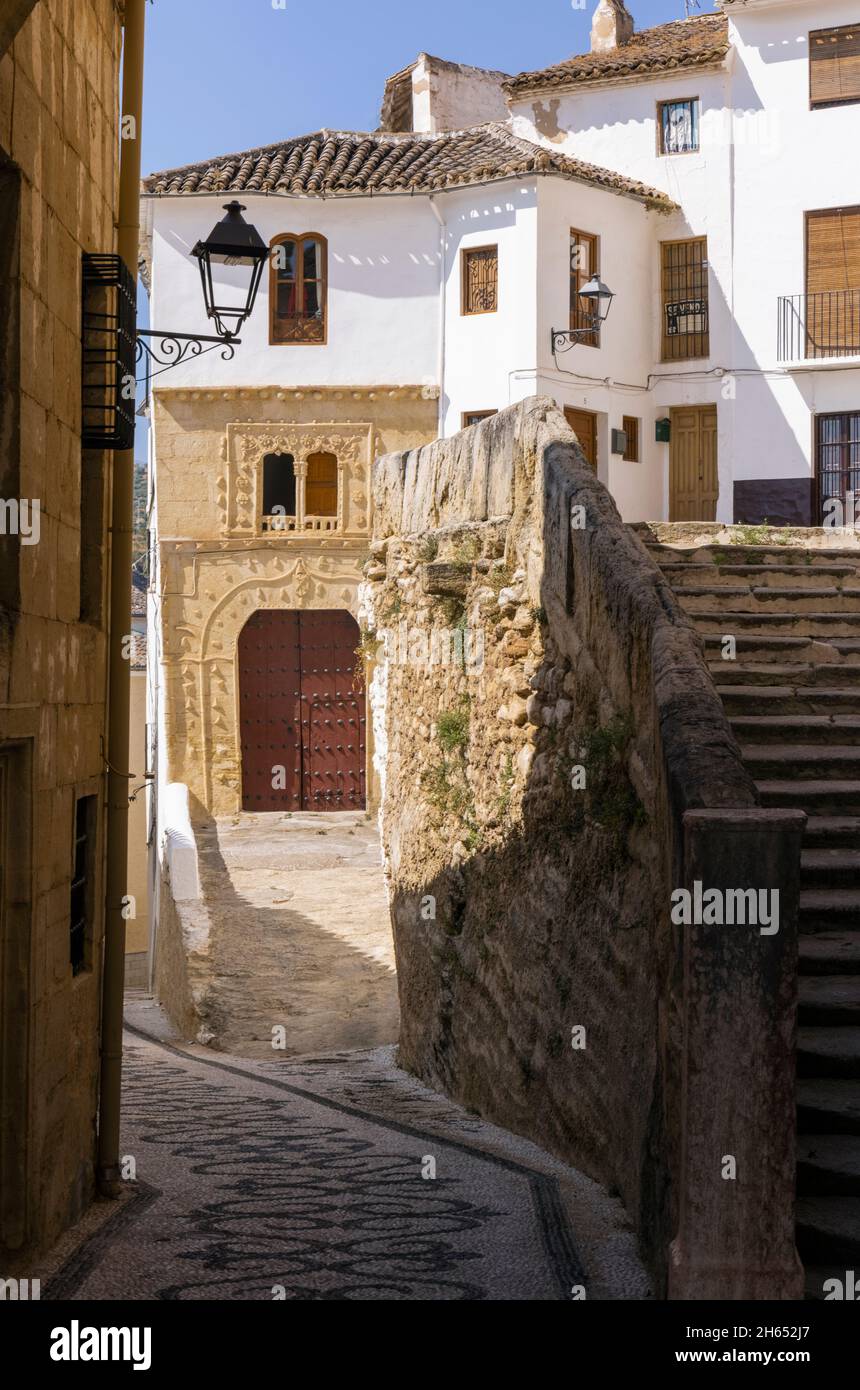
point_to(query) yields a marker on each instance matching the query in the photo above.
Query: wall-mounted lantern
(233, 242)
(596, 300)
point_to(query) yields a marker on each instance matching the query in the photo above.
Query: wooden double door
(693, 476)
(302, 712)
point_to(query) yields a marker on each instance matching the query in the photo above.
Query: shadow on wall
(540, 809)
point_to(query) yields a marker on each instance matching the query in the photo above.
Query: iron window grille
(679, 126)
(109, 345)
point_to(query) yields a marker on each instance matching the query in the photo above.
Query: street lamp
(596, 300)
(232, 242)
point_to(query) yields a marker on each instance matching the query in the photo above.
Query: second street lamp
(596, 302)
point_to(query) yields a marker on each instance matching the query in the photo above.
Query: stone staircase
(793, 698)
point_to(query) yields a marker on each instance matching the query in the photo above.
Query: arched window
(279, 486)
(298, 288)
(321, 485)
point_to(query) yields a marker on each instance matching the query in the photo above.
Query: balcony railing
(813, 326)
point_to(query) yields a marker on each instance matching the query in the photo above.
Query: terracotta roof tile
(682, 44)
(342, 163)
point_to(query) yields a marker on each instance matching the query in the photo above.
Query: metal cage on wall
(109, 340)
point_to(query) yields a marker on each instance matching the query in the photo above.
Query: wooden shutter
(834, 65)
(833, 250)
(584, 265)
(480, 274)
(630, 425)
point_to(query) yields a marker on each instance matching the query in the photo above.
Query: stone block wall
(537, 784)
(59, 86)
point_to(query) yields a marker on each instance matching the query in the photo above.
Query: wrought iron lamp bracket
(167, 350)
(563, 339)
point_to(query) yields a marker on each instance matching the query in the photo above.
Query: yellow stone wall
(218, 565)
(59, 86)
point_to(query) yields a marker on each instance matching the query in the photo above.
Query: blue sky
(226, 75)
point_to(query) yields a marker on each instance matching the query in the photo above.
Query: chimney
(611, 26)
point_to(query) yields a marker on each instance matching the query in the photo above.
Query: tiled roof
(335, 163)
(682, 44)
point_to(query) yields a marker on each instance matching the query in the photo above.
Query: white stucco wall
(383, 267)
(765, 160)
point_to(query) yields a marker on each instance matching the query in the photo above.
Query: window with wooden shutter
(584, 265)
(686, 333)
(474, 417)
(630, 425)
(480, 273)
(321, 485)
(834, 66)
(298, 289)
(833, 282)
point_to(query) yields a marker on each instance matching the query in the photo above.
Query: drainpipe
(128, 236)
(443, 295)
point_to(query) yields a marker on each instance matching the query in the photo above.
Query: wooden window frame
(476, 417)
(679, 101)
(632, 454)
(665, 339)
(826, 104)
(592, 338)
(274, 317)
(466, 252)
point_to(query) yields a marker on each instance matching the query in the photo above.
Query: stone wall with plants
(544, 718)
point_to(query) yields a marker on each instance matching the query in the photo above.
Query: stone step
(832, 832)
(817, 798)
(779, 578)
(737, 622)
(769, 601)
(828, 1229)
(815, 762)
(828, 1001)
(829, 910)
(830, 868)
(830, 1054)
(769, 701)
(827, 1105)
(828, 1165)
(811, 729)
(799, 677)
(756, 649)
(778, 556)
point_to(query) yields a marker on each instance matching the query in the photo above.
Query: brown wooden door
(693, 480)
(302, 713)
(584, 425)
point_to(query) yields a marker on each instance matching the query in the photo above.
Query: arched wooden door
(302, 712)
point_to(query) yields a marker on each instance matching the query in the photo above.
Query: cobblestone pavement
(300, 934)
(308, 1179)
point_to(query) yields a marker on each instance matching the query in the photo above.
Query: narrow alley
(334, 1176)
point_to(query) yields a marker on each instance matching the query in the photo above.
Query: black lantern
(597, 298)
(596, 302)
(232, 242)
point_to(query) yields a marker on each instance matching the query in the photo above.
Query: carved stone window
(298, 289)
(279, 489)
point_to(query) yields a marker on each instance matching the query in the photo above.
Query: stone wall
(59, 86)
(541, 792)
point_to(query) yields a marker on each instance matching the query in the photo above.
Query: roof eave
(591, 84)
